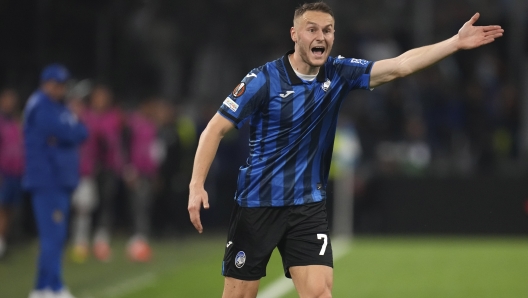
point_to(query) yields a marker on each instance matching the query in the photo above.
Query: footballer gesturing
(291, 105)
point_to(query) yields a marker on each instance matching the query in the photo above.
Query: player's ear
(293, 34)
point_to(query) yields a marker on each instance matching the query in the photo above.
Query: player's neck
(302, 67)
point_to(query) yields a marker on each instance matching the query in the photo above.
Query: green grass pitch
(371, 267)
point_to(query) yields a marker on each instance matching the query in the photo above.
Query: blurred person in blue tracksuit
(52, 135)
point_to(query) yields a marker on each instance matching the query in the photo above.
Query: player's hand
(470, 36)
(197, 198)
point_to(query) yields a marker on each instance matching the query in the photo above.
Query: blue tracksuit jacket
(52, 135)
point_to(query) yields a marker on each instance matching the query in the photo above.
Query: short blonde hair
(315, 6)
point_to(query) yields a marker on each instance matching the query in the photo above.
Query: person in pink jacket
(101, 168)
(11, 161)
(145, 152)
(85, 197)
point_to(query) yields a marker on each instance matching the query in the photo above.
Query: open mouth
(318, 51)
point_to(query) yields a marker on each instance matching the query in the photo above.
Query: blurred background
(444, 152)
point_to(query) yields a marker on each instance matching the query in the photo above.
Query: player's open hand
(470, 36)
(197, 198)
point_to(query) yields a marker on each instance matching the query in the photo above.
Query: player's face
(313, 34)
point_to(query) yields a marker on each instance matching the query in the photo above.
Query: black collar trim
(294, 79)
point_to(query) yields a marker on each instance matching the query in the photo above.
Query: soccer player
(11, 161)
(52, 135)
(292, 105)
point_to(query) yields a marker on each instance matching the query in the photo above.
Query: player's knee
(322, 291)
(317, 290)
(235, 288)
(326, 294)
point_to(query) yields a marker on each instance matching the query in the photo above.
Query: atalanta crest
(326, 85)
(240, 259)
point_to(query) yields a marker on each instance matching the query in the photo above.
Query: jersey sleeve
(356, 72)
(245, 99)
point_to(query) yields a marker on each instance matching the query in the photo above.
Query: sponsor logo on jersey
(326, 85)
(240, 259)
(359, 61)
(340, 57)
(239, 90)
(286, 94)
(231, 104)
(249, 75)
(229, 243)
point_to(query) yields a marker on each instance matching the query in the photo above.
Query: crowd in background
(135, 168)
(461, 117)
(166, 66)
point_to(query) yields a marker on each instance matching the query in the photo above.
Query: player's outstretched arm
(207, 147)
(468, 37)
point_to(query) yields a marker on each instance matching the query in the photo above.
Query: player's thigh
(253, 235)
(237, 288)
(307, 241)
(313, 280)
(307, 251)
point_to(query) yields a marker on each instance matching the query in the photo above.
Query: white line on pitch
(127, 286)
(283, 285)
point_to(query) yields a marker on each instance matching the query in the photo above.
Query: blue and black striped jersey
(292, 128)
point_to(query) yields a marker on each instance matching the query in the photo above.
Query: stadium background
(458, 207)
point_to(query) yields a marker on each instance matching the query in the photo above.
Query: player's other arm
(207, 147)
(468, 37)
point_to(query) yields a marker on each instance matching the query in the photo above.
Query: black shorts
(299, 232)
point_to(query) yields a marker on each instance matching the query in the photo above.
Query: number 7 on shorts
(325, 242)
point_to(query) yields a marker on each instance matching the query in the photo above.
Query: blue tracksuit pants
(51, 209)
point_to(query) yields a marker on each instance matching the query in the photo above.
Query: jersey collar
(294, 79)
